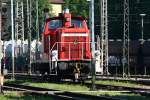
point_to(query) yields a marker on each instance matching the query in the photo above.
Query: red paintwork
(76, 49)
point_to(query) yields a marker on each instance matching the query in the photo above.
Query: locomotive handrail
(69, 48)
(53, 46)
(66, 42)
(68, 57)
(56, 44)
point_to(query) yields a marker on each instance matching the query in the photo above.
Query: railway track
(145, 80)
(142, 91)
(56, 94)
(135, 79)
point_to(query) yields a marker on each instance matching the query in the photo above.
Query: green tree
(42, 5)
(77, 7)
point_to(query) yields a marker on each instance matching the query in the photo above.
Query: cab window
(77, 23)
(53, 24)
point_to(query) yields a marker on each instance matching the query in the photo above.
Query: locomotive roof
(58, 17)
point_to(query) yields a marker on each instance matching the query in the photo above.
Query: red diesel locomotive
(67, 42)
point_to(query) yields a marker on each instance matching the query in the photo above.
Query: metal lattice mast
(104, 36)
(33, 25)
(34, 22)
(19, 20)
(37, 27)
(125, 60)
(29, 36)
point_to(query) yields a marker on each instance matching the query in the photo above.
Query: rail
(57, 94)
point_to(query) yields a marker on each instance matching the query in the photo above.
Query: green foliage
(77, 7)
(42, 5)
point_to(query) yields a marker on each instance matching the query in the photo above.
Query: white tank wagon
(21, 54)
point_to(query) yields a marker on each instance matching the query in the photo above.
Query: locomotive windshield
(53, 24)
(57, 23)
(77, 23)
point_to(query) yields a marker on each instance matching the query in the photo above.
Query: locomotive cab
(67, 43)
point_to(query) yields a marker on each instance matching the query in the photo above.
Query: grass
(64, 87)
(86, 90)
(22, 96)
(56, 86)
(78, 87)
(75, 87)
